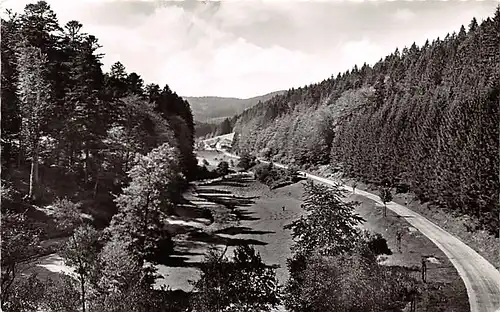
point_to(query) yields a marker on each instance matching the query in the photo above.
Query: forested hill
(216, 115)
(425, 116)
(213, 108)
(71, 130)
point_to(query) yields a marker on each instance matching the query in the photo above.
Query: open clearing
(247, 213)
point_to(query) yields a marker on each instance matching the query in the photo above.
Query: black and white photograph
(250, 156)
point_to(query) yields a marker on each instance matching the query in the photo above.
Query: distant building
(225, 143)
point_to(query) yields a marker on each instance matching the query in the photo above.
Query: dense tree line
(95, 150)
(426, 117)
(208, 130)
(64, 119)
(202, 129)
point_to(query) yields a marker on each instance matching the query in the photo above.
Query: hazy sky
(246, 48)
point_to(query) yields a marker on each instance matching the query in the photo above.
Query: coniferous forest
(425, 118)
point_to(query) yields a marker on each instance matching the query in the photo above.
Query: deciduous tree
(82, 253)
(144, 204)
(330, 226)
(20, 244)
(35, 105)
(385, 196)
(241, 284)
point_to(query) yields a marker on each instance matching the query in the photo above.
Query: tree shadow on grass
(192, 211)
(215, 192)
(229, 202)
(177, 229)
(219, 240)
(187, 253)
(236, 181)
(184, 254)
(244, 215)
(228, 183)
(440, 267)
(181, 262)
(212, 191)
(189, 247)
(235, 230)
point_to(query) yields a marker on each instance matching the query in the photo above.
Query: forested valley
(96, 164)
(424, 119)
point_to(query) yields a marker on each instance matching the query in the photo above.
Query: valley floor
(244, 211)
(263, 223)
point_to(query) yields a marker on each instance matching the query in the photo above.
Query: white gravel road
(480, 277)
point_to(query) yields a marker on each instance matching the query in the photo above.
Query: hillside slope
(424, 119)
(214, 109)
(480, 277)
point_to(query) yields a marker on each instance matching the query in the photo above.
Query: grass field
(245, 212)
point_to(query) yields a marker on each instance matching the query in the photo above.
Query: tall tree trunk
(82, 282)
(96, 185)
(21, 153)
(126, 160)
(86, 165)
(34, 172)
(7, 281)
(145, 224)
(71, 154)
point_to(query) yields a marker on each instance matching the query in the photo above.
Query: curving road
(480, 277)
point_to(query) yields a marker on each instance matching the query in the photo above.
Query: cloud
(403, 15)
(246, 48)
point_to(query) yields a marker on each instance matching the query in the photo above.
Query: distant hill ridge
(214, 109)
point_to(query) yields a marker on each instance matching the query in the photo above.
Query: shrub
(241, 284)
(204, 173)
(347, 282)
(246, 161)
(275, 177)
(374, 243)
(262, 173)
(223, 168)
(266, 153)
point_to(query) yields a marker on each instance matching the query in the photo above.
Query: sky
(245, 48)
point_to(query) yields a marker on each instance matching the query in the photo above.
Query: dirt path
(480, 277)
